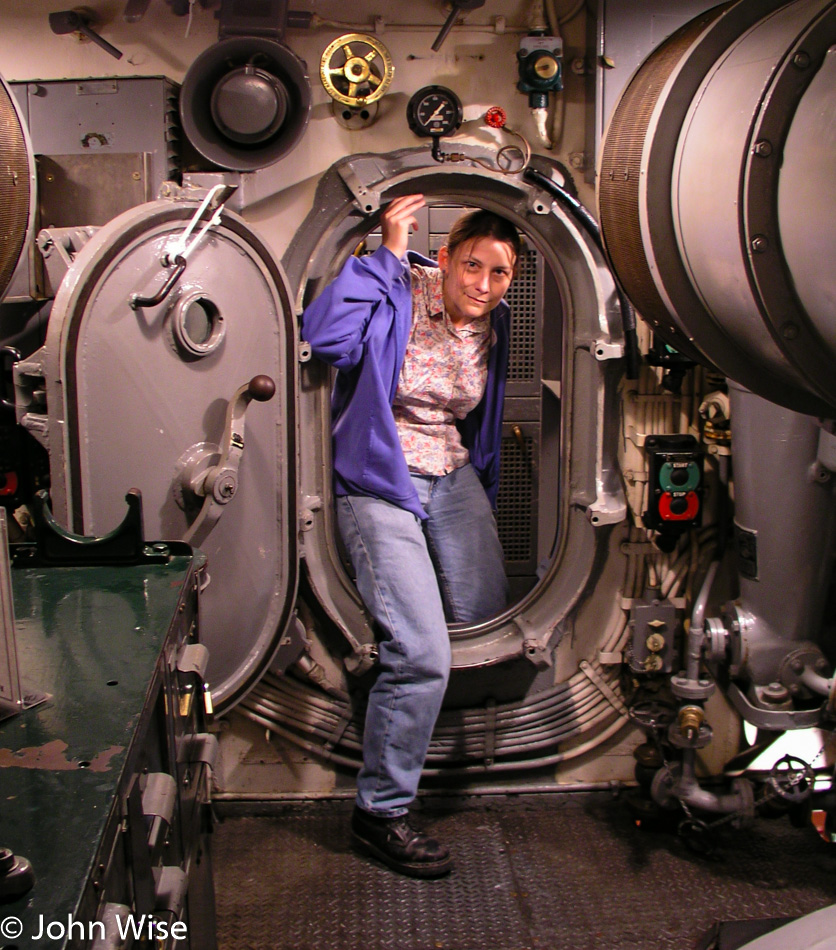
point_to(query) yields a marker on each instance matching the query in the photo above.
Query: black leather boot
(395, 842)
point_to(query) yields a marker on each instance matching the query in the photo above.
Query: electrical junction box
(654, 624)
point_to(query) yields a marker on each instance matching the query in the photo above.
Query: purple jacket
(360, 324)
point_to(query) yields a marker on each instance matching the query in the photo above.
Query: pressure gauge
(434, 111)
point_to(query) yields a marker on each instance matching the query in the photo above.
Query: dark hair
(481, 223)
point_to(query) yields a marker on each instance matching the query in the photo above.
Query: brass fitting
(690, 720)
(655, 642)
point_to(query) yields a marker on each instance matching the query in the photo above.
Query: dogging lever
(209, 471)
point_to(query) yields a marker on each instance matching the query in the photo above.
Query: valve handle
(496, 117)
(71, 21)
(459, 6)
(792, 779)
(364, 74)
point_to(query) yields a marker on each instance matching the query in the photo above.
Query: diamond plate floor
(541, 873)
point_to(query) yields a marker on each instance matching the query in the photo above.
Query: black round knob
(679, 506)
(679, 476)
(16, 876)
(261, 388)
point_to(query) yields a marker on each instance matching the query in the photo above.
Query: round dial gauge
(434, 111)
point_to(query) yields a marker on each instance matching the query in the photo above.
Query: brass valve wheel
(356, 69)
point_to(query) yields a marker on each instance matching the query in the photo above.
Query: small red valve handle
(496, 117)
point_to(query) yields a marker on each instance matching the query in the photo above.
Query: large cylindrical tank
(784, 532)
(717, 196)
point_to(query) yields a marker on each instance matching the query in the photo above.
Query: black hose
(632, 360)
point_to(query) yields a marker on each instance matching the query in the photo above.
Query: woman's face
(476, 276)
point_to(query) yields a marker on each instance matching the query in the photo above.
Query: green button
(676, 477)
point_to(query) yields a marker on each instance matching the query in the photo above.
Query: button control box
(675, 483)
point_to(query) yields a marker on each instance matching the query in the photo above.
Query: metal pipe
(511, 764)
(688, 790)
(696, 632)
(318, 22)
(813, 681)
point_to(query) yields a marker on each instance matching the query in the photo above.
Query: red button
(8, 483)
(672, 509)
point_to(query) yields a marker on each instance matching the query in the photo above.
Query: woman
(422, 353)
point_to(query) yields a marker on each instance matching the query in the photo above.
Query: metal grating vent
(14, 188)
(522, 298)
(516, 487)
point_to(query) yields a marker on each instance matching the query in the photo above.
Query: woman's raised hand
(396, 221)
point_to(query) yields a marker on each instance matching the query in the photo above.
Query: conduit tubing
(580, 689)
(575, 712)
(571, 729)
(501, 712)
(507, 766)
(533, 730)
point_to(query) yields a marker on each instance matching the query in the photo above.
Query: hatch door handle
(210, 472)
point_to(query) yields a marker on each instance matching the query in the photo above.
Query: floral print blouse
(442, 379)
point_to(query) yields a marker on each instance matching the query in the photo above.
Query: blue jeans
(413, 576)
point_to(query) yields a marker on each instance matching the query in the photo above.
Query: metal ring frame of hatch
(347, 204)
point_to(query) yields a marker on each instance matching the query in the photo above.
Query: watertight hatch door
(145, 387)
